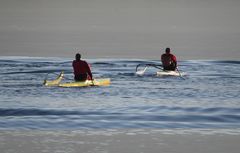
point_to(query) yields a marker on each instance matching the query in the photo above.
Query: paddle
(180, 75)
(92, 82)
(156, 66)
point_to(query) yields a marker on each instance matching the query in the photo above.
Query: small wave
(210, 110)
(46, 112)
(126, 74)
(171, 117)
(156, 109)
(225, 62)
(103, 64)
(47, 71)
(153, 110)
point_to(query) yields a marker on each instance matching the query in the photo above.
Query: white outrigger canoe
(160, 73)
(95, 82)
(169, 73)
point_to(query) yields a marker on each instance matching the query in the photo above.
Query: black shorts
(81, 77)
(171, 67)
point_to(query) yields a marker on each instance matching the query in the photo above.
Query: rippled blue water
(207, 97)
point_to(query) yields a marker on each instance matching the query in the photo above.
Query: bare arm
(89, 71)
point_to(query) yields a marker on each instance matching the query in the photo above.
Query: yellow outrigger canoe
(95, 82)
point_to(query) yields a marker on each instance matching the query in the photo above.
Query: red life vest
(81, 67)
(168, 60)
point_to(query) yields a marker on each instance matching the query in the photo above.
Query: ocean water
(208, 96)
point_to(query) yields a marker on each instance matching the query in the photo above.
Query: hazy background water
(194, 29)
(208, 97)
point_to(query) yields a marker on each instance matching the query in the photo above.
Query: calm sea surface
(207, 97)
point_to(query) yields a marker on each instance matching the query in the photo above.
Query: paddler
(169, 61)
(81, 69)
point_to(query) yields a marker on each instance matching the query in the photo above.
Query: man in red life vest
(81, 69)
(169, 61)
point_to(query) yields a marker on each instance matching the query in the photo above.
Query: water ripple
(208, 97)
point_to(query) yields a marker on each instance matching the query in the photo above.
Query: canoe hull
(168, 73)
(95, 82)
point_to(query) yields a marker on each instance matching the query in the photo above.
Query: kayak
(95, 82)
(169, 73)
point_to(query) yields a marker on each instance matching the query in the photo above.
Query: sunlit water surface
(207, 97)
